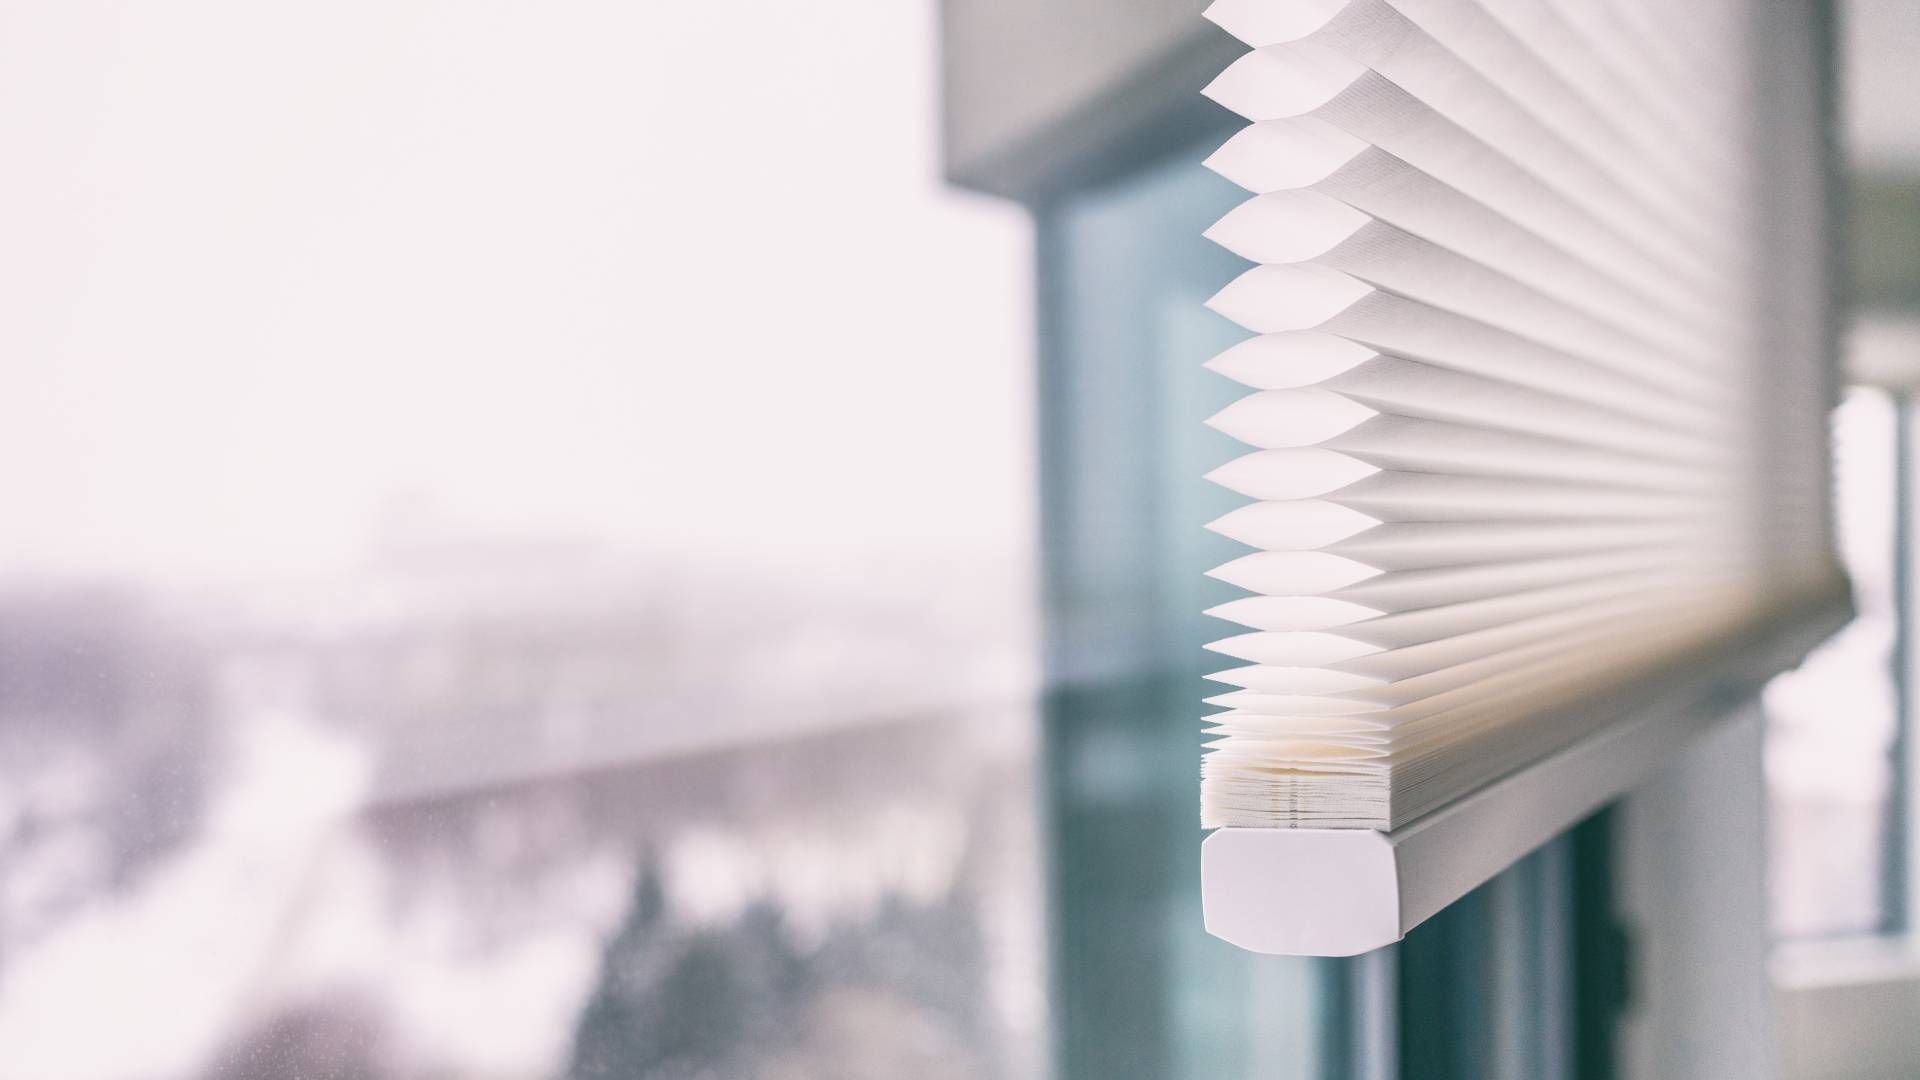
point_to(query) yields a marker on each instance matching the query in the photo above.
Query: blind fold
(1526, 417)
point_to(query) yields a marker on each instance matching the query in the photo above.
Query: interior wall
(1693, 892)
(1040, 98)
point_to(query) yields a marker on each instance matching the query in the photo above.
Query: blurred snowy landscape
(520, 816)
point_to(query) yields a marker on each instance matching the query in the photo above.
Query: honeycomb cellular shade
(1527, 416)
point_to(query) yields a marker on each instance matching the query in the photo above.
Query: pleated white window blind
(1535, 405)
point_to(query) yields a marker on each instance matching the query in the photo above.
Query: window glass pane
(518, 549)
(1831, 722)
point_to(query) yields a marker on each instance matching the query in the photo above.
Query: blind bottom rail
(1341, 892)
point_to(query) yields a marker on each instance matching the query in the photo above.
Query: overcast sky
(688, 280)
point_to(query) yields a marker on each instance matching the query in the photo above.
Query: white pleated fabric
(1505, 441)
